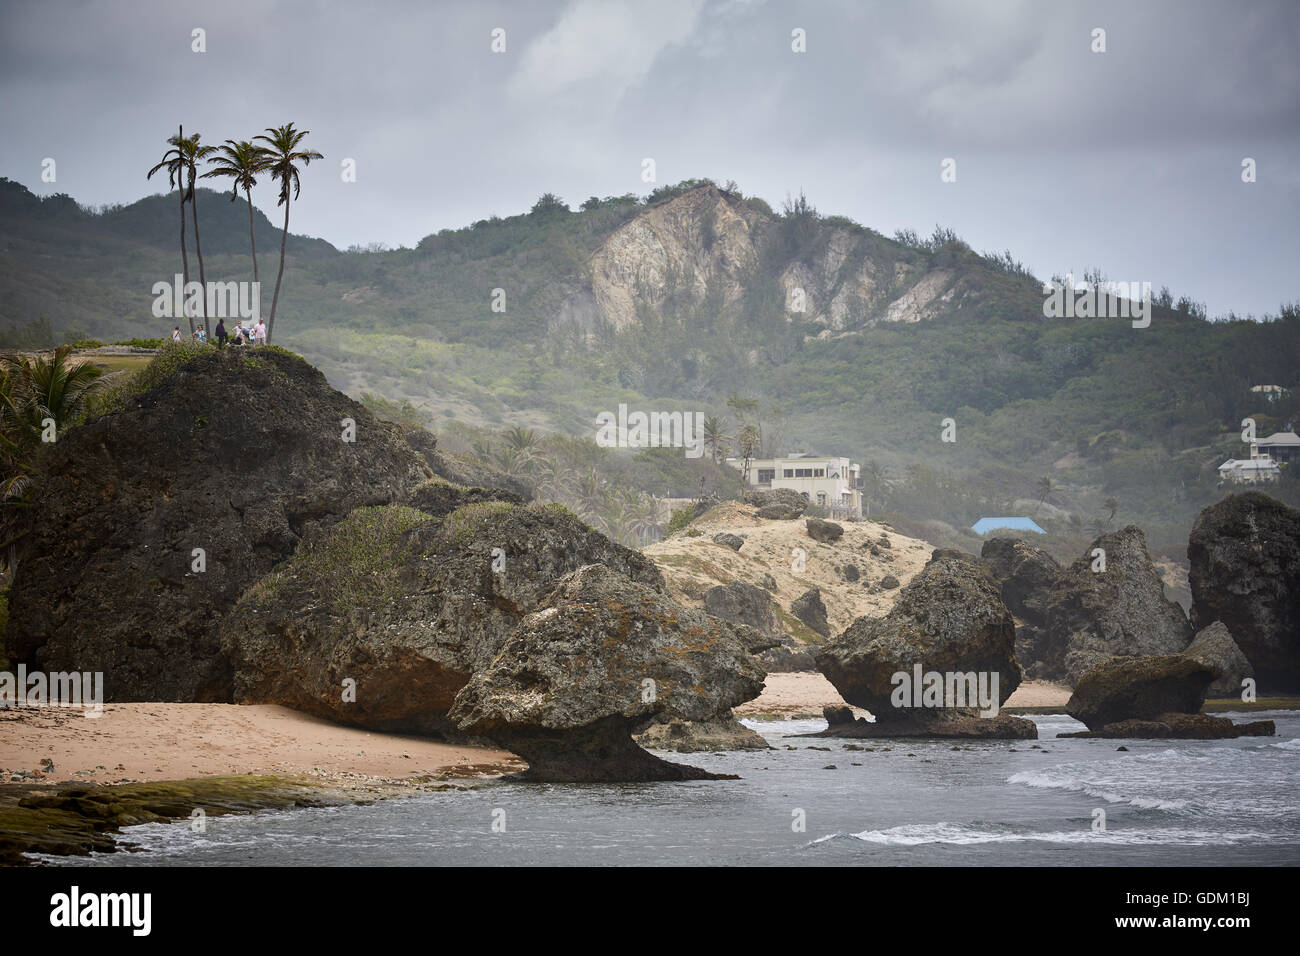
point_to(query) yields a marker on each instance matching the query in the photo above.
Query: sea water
(999, 803)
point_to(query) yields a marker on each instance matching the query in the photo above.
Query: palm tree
(192, 153)
(32, 391)
(874, 481)
(283, 153)
(174, 162)
(714, 436)
(242, 162)
(1113, 505)
(1045, 488)
(747, 441)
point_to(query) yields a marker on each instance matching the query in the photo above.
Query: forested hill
(849, 342)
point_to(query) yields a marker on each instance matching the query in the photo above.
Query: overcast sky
(1128, 160)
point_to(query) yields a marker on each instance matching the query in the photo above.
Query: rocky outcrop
(439, 497)
(808, 608)
(733, 541)
(827, 532)
(1027, 574)
(1215, 648)
(695, 736)
(950, 620)
(380, 621)
(1159, 696)
(574, 681)
(1093, 616)
(779, 504)
(1244, 556)
(742, 603)
(789, 655)
(151, 521)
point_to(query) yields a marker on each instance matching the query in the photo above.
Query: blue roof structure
(985, 525)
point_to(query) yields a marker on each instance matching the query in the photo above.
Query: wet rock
(574, 681)
(1179, 726)
(808, 608)
(1140, 688)
(694, 736)
(836, 715)
(1244, 557)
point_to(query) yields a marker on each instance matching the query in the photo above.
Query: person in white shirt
(176, 334)
(259, 333)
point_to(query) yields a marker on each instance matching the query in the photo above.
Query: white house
(1280, 446)
(1255, 470)
(829, 482)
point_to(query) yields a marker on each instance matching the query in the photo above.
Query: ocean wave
(918, 834)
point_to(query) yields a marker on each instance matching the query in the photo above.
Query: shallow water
(1210, 803)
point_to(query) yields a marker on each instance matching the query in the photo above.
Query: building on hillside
(832, 483)
(985, 525)
(1281, 447)
(1270, 393)
(1249, 471)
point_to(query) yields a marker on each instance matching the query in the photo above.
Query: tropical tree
(747, 441)
(1045, 488)
(875, 481)
(1113, 505)
(174, 162)
(284, 151)
(242, 162)
(36, 394)
(192, 153)
(714, 434)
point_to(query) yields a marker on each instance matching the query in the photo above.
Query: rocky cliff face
(151, 521)
(706, 245)
(1244, 554)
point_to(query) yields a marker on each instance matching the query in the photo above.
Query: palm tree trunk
(252, 240)
(185, 263)
(275, 299)
(198, 246)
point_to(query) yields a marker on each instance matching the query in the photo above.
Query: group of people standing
(254, 336)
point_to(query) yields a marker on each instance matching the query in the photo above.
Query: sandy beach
(150, 742)
(807, 692)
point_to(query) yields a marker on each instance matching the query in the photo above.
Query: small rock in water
(1118, 749)
(830, 766)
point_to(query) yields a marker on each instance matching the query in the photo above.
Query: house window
(766, 474)
(821, 498)
(789, 473)
(820, 473)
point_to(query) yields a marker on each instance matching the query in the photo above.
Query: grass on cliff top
(352, 564)
(170, 359)
(462, 525)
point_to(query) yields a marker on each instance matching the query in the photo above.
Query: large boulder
(1026, 574)
(150, 521)
(1140, 688)
(1244, 556)
(399, 608)
(779, 504)
(1215, 648)
(1122, 611)
(811, 610)
(950, 620)
(742, 603)
(1152, 697)
(695, 736)
(827, 532)
(607, 655)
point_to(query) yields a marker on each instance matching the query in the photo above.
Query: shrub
(164, 365)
